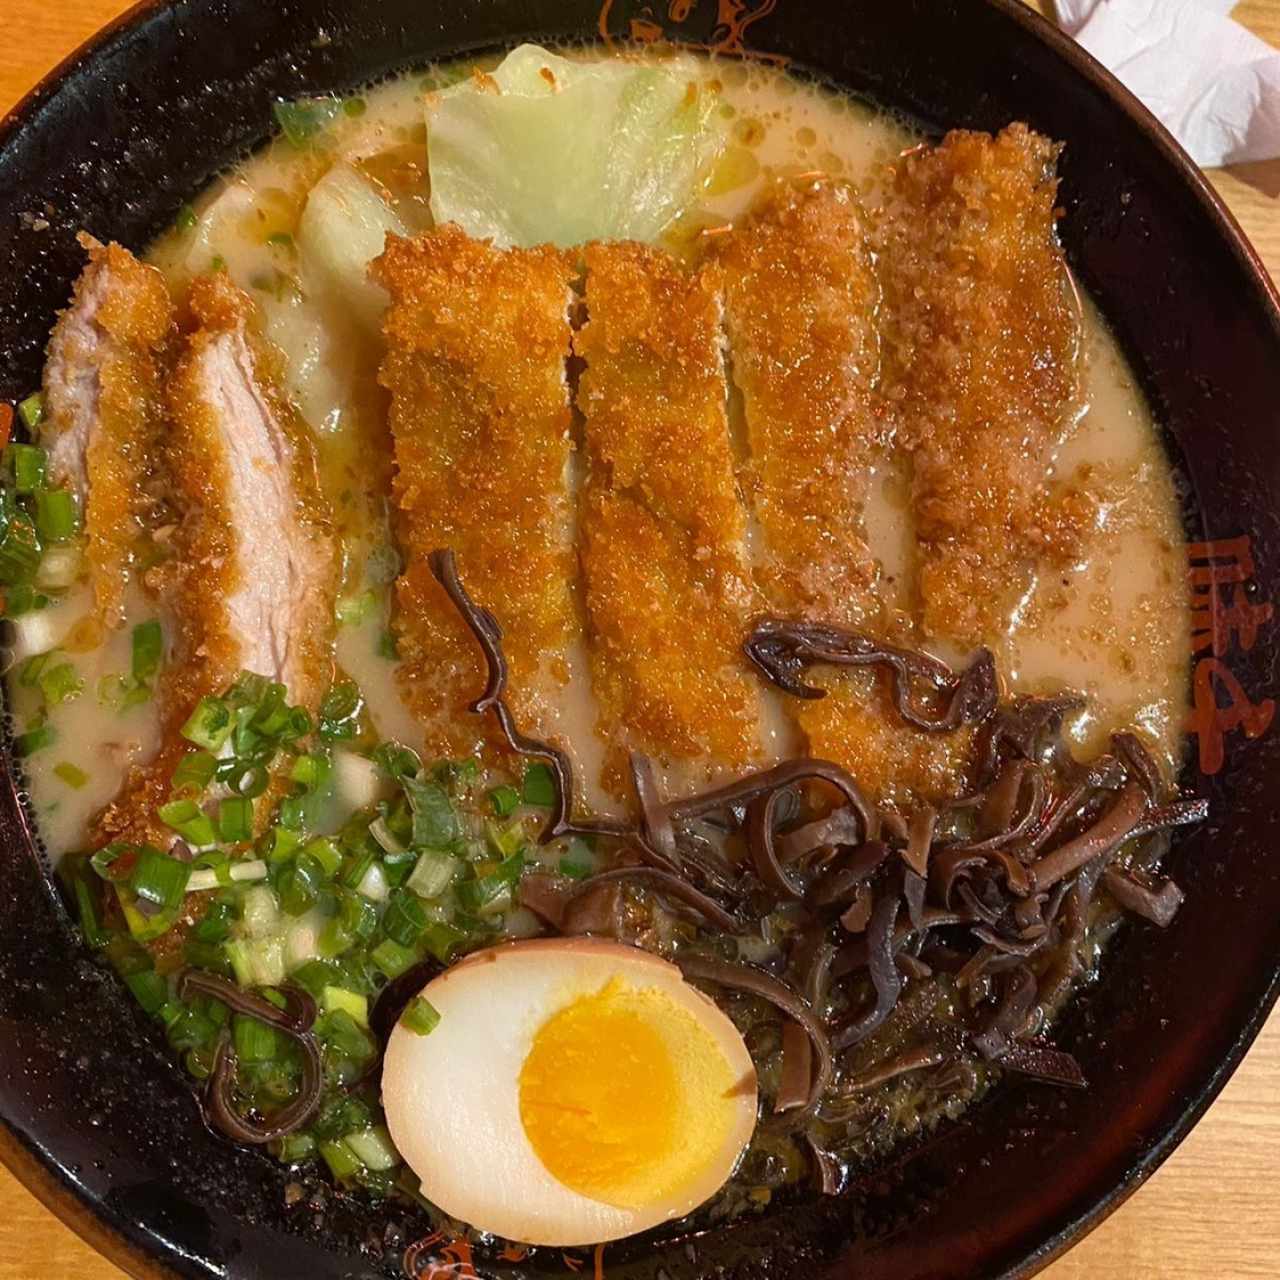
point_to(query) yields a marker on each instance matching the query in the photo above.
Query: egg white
(452, 1098)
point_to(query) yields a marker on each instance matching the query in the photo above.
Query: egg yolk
(625, 1096)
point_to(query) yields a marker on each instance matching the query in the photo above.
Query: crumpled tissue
(1214, 85)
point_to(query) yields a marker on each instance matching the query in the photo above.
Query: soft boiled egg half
(572, 1092)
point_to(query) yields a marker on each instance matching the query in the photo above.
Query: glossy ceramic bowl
(93, 1114)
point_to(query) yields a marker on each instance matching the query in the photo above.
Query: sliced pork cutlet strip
(801, 298)
(103, 405)
(477, 344)
(668, 587)
(253, 579)
(981, 334)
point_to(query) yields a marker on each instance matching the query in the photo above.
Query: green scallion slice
(159, 879)
(396, 760)
(148, 646)
(504, 800)
(60, 683)
(19, 548)
(57, 515)
(235, 819)
(539, 786)
(31, 410)
(351, 611)
(254, 1041)
(302, 120)
(194, 773)
(71, 774)
(189, 821)
(186, 219)
(210, 724)
(392, 959)
(420, 1016)
(37, 738)
(28, 465)
(435, 822)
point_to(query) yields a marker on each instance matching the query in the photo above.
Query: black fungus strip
(885, 978)
(744, 977)
(488, 633)
(1158, 903)
(782, 650)
(670, 886)
(1115, 826)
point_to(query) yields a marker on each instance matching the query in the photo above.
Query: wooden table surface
(1212, 1211)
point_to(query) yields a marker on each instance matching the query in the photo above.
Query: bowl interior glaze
(92, 1112)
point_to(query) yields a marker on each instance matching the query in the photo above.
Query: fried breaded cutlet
(800, 300)
(102, 401)
(662, 527)
(253, 578)
(477, 342)
(980, 340)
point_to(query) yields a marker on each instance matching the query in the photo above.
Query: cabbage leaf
(550, 149)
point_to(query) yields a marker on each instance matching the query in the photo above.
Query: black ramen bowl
(103, 1126)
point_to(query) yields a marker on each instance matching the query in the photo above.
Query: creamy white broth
(1114, 627)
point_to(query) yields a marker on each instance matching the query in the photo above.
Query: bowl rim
(34, 1169)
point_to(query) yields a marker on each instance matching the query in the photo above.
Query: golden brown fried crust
(477, 340)
(209, 563)
(800, 300)
(980, 342)
(136, 315)
(662, 526)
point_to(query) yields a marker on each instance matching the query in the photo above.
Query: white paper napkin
(1214, 85)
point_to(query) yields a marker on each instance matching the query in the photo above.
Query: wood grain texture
(1212, 1211)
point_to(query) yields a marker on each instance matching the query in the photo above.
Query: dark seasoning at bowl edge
(88, 1088)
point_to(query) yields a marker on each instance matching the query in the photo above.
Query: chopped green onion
(89, 926)
(104, 862)
(302, 120)
(19, 548)
(293, 1148)
(355, 107)
(255, 1041)
(387, 647)
(194, 773)
(504, 800)
(280, 240)
(354, 1005)
(238, 953)
(442, 940)
(31, 410)
(374, 1148)
(226, 873)
(209, 725)
(432, 874)
(35, 739)
(29, 672)
(248, 781)
(71, 774)
(327, 854)
(340, 711)
(299, 886)
(159, 879)
(393, 959)
(149, 989)
(351, 611)
(189, 821)
(420, 1016)
(60, 684)
(435, 823)
(278, 844)
(574, 869)
(57, 515)
(59, 567)
(343, 1163)
(334, 940)
(186, 219)
(148, 645)
(23, 598)
(404, 919)
(396, 760)
(539, 786)
(235, 819)
(506, 841)
(27, 463)
(309, 771)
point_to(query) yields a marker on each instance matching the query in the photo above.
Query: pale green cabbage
(607, 150)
